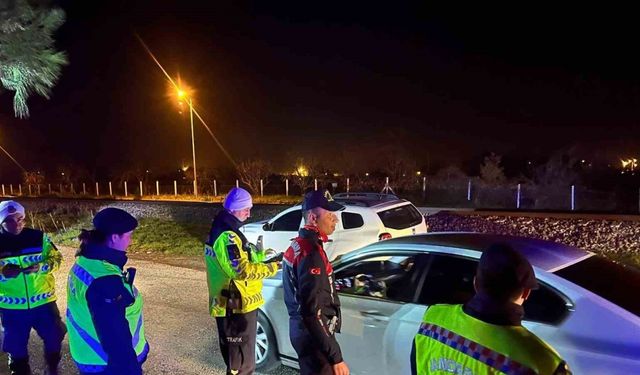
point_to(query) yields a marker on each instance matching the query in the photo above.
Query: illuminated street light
(183, 94)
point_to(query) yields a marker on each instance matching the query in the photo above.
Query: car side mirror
(267, 227)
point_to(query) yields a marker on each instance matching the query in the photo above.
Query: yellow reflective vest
(27, 291)
(450, 341)
(232, 272)
(84, 342)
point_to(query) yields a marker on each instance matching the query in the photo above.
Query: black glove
(11, 271)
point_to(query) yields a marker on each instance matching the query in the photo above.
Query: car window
(352, 220)
(545, 305)
(400, 217)
(390, 277)
(449, 280)
(289, 222)
(610, 276)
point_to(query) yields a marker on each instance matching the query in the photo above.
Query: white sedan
(587, 307)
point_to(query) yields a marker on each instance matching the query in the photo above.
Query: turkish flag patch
(315, 271)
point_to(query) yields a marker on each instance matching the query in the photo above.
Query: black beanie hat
(113, 220)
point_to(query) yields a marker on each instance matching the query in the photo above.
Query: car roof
(547, 255)
(367, 199)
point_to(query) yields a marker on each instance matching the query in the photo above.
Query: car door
(354, 230)
(279, 231)
(449, 279)
(376, 294)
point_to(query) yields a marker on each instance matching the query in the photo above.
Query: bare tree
(252, 171)
(491, 172)
(32, 178)
(401, 171)
(559, 170)
(450, 175)
(302, 175)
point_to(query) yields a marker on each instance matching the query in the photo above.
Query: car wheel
(266, 346)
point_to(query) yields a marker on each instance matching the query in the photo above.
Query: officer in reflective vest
(104, 313)
(27, 290)
(485, 336)
(235, 270)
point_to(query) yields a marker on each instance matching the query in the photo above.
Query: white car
(587, 307)
(367, 218)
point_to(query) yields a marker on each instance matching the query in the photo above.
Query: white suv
(367, 218)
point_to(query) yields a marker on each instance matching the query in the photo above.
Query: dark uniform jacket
(310, 293)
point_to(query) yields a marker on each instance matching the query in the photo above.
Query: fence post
(84, 188)
(97, 190)
(215, 188)
(20, 188)
(38, 189)
(141, 192)
(157, 187)
(3, 190)
(126, 192)
(261, 188)
(518, 198)
(469, 191)
(49, 189)
(175, 187)
(286, 187)
(237, 184)
(315, 183)
(29, 189)
(73, 191)
(11, 188)
(348, 184)
(110, 189)
(60, 188)
(573, 197)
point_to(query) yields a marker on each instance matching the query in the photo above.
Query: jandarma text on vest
(450, 366)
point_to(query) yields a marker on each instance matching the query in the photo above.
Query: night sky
(333, 81)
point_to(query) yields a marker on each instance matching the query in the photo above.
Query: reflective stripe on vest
(82, 274)
(90, 341)
(477, 351)
(28, 290)
(449, 338)
(100, 368)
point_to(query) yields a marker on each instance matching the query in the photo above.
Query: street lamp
(183, 95)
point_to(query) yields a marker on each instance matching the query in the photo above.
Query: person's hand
(31, 269)
(270, 253)
(340, 369)
(11, 271)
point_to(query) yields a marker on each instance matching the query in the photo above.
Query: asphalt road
(181, 334)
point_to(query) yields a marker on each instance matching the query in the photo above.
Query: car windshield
(609, 280)
(400, 217)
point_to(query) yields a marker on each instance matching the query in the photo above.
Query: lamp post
(183, 95)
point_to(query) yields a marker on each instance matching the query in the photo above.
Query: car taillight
(384, 236)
